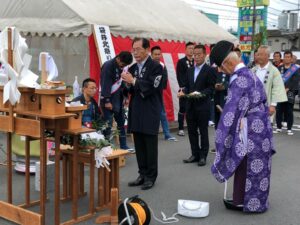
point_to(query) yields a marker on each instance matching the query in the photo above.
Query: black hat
(220, 51)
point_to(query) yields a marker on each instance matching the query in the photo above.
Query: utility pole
(253, 26)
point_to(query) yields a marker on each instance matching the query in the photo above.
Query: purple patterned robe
(246, 101)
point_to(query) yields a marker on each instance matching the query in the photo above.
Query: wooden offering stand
(7, 124)
(52, 101)
(32, 125)
(73, 123)
(74, 162)
(106, 179)
(37, 111)
(25, 119)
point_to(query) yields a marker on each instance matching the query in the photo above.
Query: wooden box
(76, 121)
(29, 100)
(52, 101)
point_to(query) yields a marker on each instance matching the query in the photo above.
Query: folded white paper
(51, 67)
(78, 103)
(3, 79)
(3, 73)
(28, 78)
(92, 135)
(11, 78)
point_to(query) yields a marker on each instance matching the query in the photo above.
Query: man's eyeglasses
(137, 50)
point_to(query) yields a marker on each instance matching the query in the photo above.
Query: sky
(228, 12)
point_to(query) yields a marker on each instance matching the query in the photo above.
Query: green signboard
(249, 3)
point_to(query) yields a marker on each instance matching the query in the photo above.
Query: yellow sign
(247, 24)
(249, 3)
(245, 47)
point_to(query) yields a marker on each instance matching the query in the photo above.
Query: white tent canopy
(171, 20)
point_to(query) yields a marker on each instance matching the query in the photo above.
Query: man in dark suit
(144, 81)
(181, 68)
(200, 78)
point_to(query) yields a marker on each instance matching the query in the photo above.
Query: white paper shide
(19, 75)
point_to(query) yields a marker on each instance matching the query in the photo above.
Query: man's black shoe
(137, 182)
(147, 185)
(202, 162)
(191, 159)
(229, 205)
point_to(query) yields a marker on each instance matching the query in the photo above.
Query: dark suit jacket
(219, 96)
(110, 74)
(146, 98)
(204, 83)
(182, 66)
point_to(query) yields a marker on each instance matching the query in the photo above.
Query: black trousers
(198, 121)
(146, 150)
(285, 110)
(181, 113)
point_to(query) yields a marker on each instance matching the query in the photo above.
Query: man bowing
(244, 142)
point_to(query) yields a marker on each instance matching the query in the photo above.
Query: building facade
(281, 41)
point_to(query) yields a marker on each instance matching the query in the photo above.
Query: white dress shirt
(140, 65)
(197, 71)
(261, 72)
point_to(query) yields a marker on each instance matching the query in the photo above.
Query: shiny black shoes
(140, 181)
(192, 159)
(202, 162)
(147, 185)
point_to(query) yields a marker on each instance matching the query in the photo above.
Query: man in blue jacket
(112, 95)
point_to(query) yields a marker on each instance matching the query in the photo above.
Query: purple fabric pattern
(246, 102)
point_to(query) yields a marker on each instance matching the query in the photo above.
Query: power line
(269, 7)
(227, 10)
(215, 3)
(223, 17)
(285, 1)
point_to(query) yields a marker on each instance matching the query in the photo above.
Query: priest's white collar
(234, 75)
(239, 66)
